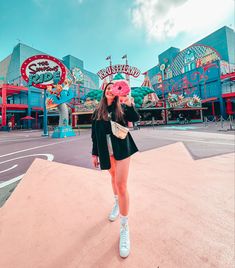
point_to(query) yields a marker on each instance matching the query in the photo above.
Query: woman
(113, 154)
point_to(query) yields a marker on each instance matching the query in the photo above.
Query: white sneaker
(114, 213)
(124, 244)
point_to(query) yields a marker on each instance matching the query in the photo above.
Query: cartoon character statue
(196, 100)
(57, 91)
(67, 84)
(172, 97)
(58, 88)
(180, 97)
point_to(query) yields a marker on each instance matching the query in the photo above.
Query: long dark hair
(102, 110)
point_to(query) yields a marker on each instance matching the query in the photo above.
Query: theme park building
(17, 100)
(192, 83)
(205, 70)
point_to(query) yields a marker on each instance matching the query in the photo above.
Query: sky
(94, 29)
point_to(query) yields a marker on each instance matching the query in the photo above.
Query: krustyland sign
(42, 71)
(119, 68)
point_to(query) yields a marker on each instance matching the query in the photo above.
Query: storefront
(16, 105)
(185, 115)
(151, 116)
(205, 69)
(173, 110)
(20, 98)
(228, 92)
(83, 119)
(83, 113)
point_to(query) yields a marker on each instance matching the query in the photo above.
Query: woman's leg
(112, 172)
(122, 170)
(115, 210)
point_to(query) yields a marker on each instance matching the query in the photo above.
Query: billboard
(42, 71)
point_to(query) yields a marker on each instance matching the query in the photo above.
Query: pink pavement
(181, 214)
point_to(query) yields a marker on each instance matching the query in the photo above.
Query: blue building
(21, 100)
(206, 69)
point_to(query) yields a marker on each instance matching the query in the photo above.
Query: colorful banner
(179, 101)
(226, 68)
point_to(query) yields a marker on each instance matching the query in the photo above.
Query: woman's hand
(95, 161)
(129, 101)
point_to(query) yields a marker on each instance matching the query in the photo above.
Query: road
(18, 149)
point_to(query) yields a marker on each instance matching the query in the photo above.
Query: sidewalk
(210, 127)
(181, 214)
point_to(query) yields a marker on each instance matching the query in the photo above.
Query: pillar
(45, 127)
(4, 106)
(165, 111)
(29, 124)
(36, 120)
(201, 115)
(213, 108)
(73, 118)
(229, 108)
(222, 107)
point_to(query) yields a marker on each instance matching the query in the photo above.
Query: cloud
(161, 19)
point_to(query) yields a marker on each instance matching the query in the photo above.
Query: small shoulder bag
(118, 130)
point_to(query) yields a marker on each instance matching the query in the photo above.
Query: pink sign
(119, 68)
(42, 71)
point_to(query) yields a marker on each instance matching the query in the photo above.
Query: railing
(219, 120)
(153, 123)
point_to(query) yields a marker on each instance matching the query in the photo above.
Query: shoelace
(124, 235)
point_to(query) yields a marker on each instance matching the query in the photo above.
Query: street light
(110, 63)
(127, 76)
(162, 68)
(45, 127)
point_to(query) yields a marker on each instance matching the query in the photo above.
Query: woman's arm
(93, 136)
(131, 114)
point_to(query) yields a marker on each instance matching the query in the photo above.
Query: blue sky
(91, 29)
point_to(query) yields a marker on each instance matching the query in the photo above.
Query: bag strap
(110, 116)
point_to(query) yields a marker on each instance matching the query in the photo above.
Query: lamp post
(127, 76)
(165, 112)
(162, 68)
(45, 127)
(110, 64)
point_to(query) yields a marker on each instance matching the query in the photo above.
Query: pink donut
(120, 88)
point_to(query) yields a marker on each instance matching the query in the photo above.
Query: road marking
(50, 157)
(21, 140)
(6, 183)
(41, 146)
(183, 140)
(29, 131)
(5, 170)
(17, 135)
(216, 135)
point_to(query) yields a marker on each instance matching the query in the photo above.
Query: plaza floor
(181, 189)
